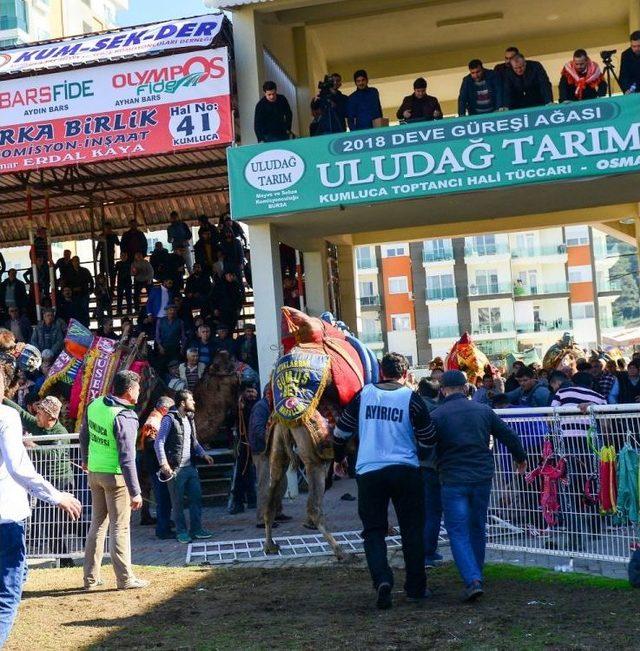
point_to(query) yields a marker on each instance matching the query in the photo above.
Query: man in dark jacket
(179, 236)
(19, 325)
(246, 347)
(465, 463)
(481, 90)
(133, 241)
(526, 84)
(273, 117)
(531, 392)
(13, 292)
(630, 65)
(419, 107)
(106, 253)
(177, 449)
(501, 68)
(581, 78)
(363, 105)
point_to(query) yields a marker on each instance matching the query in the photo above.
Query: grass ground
(324, 607)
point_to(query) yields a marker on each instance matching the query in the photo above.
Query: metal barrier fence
(50, 532)
(564, 507)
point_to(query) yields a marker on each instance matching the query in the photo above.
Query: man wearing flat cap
(54, 463)
(465, 464)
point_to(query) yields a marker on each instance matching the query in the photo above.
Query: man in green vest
(108, 446)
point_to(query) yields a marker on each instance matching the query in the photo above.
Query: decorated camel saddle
(467, 357)
(322, 369)
(563, 354)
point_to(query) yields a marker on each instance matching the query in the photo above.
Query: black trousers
(403, 486)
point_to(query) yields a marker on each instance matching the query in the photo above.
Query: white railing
(50, 532)
(562, 514)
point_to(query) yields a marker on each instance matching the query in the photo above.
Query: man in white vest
(391, 420)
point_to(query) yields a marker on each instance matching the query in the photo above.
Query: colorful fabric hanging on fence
(552, 470)
(628, 469)
(607, 497)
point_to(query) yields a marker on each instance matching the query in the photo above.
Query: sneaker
(384, 597)
(183, 538)
(94, 586)
(281, 517)
(235, 509)
(433, 561)
(134, 584)
(428, 594)
(473, 592)
(203, 534)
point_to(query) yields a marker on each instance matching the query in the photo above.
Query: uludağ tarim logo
(277, 169)
(4, 59)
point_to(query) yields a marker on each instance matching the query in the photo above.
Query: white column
(249, 64)
(316, 278)
(267, 294)
(348, 279)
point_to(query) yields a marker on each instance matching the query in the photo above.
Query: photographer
(630, 65)
(329, 107)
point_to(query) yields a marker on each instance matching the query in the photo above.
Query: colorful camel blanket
(298, 383)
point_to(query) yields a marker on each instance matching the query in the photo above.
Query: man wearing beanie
(465, 464)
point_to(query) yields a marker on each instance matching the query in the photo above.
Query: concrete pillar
(303, 94)
(348, 278)
(638, 239)
(316, 281)
(634, 15)
(267, 294)
(249, 64)
(420, 306)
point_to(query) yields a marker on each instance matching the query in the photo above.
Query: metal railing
(492, 328)
(440, 293)
(442, 255)
(539, 289)
(544, 326)
(563, 507)
(474, 249)
(369, 301)
(490, 288)
(536, 251)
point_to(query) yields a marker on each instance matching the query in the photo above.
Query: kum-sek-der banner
(138, 108)
(555, 142)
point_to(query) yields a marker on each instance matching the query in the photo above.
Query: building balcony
(371, 338)
(444, 331)
(440, 294)
(544, 326)
(608, 285)
(491, 289)
(502, 328)
(611, 322)
(540, 289)
(487, 250)
(369, 301)
(437, 256)
(497, 347)
(367, 266)
(557, 250)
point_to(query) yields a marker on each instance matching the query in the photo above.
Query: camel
(316, 461)
(216, 397)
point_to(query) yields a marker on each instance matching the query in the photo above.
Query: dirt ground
(324, 607)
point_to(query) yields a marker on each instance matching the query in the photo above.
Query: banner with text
(138, 108)
(171, 35)
(560, 142)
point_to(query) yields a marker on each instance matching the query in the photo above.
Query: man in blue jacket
(531, 392)
(481, 91)
(465, 463)
(363, 106)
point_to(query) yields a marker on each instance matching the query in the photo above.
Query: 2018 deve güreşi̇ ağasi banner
(555, 142)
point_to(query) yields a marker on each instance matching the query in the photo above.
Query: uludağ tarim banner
(550, 143)
(99, 113)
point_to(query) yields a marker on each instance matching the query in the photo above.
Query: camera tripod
(609, 71)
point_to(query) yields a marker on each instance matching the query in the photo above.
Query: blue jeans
(186, 484)
(432, 512)
(465, 518)
(163, 506)
(13, 574)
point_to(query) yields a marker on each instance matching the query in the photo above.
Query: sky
(150, 11)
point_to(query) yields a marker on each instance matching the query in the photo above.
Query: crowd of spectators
(187, 300)
(516, 83)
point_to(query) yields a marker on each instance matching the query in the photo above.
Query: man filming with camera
(329, 107)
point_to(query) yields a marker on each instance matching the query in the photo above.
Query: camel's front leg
(278, 464)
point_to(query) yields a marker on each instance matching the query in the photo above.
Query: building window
(485, 244)
(366, 288)
(400, 322)
(529, 280)
(398, 285)
(489, 319)
(577, 235)
(487, 281)
(580, 274)
(394, 250)
(440, 287)
(583, 311)
(13, 15)
(364, 259)
(435, 250)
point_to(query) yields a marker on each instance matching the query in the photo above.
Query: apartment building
(512, 291)
(23, 21)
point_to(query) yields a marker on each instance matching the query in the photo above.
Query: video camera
(326, 85)
(606, 55)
